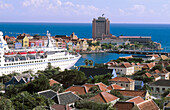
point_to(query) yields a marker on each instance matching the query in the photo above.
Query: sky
(83, 11)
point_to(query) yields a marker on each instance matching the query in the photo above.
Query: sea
(159, 32)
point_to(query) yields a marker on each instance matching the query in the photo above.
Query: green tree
(117, 94)
(86, 61)
(57, 88)
(94, 89)
(70, 77)
(89, 105)
(159, 102)
(157, 67)
(166, 93)
(39, 84)
(6, 104)
(101, 65)
(168, 68)
(91, 62)
(27, 101)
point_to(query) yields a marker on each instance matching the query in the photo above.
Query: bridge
(139, 52)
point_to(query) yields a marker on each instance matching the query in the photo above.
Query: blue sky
(83, 11)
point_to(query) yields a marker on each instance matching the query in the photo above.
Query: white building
(122, 68)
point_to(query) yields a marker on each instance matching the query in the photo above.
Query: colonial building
(159, 87)
(22, 38)
(122, 68)
(125, 82)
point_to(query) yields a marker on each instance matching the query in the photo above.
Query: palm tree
(86, 61)
(91, 62)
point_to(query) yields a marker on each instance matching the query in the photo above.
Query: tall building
(101, 27)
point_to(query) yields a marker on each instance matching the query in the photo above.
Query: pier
(139, 52)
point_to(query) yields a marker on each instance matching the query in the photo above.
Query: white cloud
(5, 5)
(137, 10)
(64, 8)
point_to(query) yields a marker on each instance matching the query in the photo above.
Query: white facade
(123, 70)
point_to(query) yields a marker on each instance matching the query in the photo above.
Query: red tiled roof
(60, 107)
(148, 105)
(52, 82)
(157, 71)
(101, 84)
(124, 105)
(103, 97)
(155, 55)
(132, 93)
(122, 65)
(114, 86)
(168, 95)
(78, 89)
(101, 87)
(122, 79)
(136, 100)
(148, 74)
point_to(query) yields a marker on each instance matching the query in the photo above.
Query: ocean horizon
(159, 32)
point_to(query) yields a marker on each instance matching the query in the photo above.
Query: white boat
(37, 59)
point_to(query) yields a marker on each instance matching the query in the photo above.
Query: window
(121, 84)
(126, 85)
(163, 89)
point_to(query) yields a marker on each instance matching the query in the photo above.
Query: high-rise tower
(100, 27)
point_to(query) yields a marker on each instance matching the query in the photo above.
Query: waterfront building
(22, 38)
(83, 45)
(159, 87)
(115, 42)
(18, 45)
(125, 82)
(100, 27)
(137, 67)
(140, 39)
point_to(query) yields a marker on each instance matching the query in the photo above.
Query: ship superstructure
(34, 59)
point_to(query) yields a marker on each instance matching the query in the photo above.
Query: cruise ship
(34, 59)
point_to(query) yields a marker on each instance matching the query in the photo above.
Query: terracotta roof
(148, 74)
(78, 89)
(127, 57)
(60, 107)
(164, 71)
(136, 100)
(148, 105)
(103, 97)
(155, 55)
(148, 65)
(132, 93)
(157, 71)
(101, 84)
(114, 86)
(122, 65)
(164, 57)
(52, 82)
(168, 95)
(101, 87)
(122, 79)
(124, 105)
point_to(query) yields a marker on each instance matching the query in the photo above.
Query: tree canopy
(70, 77)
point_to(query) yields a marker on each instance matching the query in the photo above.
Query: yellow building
(22, 38)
